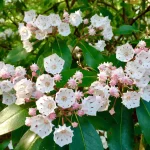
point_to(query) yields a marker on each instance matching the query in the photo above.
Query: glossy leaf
(16, 54)
(143, 114)
(92, 56)
(85, 137)
(60, 48)
(102, 121)
(125, 29)
(12, 117)
(120, 136)
(29, 141)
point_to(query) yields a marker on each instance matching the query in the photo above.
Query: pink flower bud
(57, 77)
(78, 95)
(114, 91)
(27, 100)
(142, 44)
(92, 31)
(78, 75)
(52, 116)
(5, 75)
(65, 14)
(72, 83)
(112, 111)
(34, 67)
(28, 121)
(102, 76)
(74, 124)
(80, 113)
(32, 111)
(75, 106)
(85, 21)
(90, 91)
(38, 94)
(113, 82)
(34, 74)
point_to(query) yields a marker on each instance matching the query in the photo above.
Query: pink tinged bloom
(46, 105)
(76, 106)
(131, 99)
(38, 94)
(72, 83)
(52, 116)
(65, 14)
(113, 82)
(63, 135)
(142, 44)
(126, 80)
(78, 95)
(85, 21)
(112, 111)
(41, 125)
(34, 67)
(124, 52)
(78, 75)
(27, 100)
(114, 91)
(102, 76)
(80, 113)
(137, 50)
(92, 31)
(65, 98)
(32, 111)
(28, 121)
(57, 77)
(91, 91)
(74, 124)
(101, 67)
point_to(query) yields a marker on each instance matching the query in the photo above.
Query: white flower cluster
(42, 26)
(6, 34)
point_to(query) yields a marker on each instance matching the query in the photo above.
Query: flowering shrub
(72, 80)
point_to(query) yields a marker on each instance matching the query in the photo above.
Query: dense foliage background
(130, 19)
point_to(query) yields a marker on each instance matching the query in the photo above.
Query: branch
(140, 15)
(67, 4)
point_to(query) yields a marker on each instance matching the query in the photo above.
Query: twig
(67, 4)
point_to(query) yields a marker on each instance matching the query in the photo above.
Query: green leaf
(120, 136)
(85, 137)
(102, 121)
(143, 114)
(88, 77)
(12, 117)
(16, 54)
(92, 56)
(125, 29)
(17, 134)
(29, 141)
(60, 48)
(40, 63)
(4, 144)
(1, 4)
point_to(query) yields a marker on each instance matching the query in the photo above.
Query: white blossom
(64, 29)
(125, 52)
(75, 19)
(63, 135)
(46, 105)
(41, 125)
(65, 98)
(100, 45)
(24, 32)
(45, 83)
(53, 64)
(54, 20)
(6, 85)
(29, 16)
(146, 93)
(42, 22)
(131, 99)
(8, 98)
(20, 71)
(134, 70)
